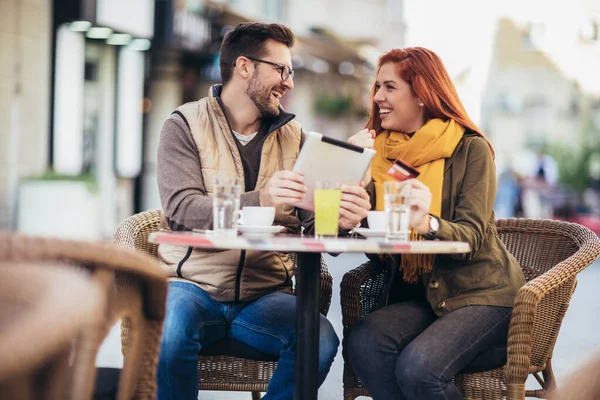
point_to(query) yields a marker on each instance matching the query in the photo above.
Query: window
(510, 102)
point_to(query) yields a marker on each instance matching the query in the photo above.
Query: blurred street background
(85, 86)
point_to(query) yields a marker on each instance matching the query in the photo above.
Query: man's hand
(354, 206)
(284, 187)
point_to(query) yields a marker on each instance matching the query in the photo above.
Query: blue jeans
(268, 324)
(404, 351)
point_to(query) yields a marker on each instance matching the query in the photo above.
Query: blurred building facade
(90, 82)
(75, 122)
(537, 93)
(25, 50)
(541, 109)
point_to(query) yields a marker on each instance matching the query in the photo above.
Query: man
(239, 130)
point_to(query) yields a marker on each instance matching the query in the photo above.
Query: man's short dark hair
(248, 39)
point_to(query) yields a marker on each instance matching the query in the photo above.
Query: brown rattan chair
(221, 368)
(43, 308)
(140, 299)
(551, 254)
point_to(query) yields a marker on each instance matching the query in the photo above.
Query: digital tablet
(326, 159)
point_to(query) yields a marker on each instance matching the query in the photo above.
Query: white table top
(308, 244)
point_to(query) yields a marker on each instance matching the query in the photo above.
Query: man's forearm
(180, 182)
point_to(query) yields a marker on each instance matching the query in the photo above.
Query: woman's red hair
(424, 71)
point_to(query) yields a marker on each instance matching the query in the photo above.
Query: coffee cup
(257, 216)
(377, 220)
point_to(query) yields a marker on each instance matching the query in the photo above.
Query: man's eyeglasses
(286, 72)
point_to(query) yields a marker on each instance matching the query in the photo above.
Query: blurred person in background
(239, 130)
(538, 186)
(507, 198)
(545, 168)
(442, 311)
(591, 195)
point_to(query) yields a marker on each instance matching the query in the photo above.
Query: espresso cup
(257, 216)
(377, 220)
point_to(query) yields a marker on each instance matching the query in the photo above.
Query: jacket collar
(450, 160)
(274, 123)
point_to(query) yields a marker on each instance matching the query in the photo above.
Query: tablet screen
(323, 158)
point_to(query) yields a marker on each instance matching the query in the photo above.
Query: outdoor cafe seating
(227, 365)
(551, 254)
(139, 298)
(128, 283)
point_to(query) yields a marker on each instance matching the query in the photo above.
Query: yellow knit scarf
(427, 151)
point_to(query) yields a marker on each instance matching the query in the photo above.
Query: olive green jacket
(489, 274)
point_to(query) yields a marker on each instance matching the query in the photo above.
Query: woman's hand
(420, 203)
(364, 139)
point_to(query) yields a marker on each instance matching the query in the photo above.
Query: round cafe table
(308, 278)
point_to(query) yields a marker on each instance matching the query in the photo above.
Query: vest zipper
(287, 274)
(184, 259)
(238, 276)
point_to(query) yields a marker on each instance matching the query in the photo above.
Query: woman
(442, 311)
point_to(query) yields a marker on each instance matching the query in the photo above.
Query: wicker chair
(140, 299)
(551, 254)
(43, 308)
(228, 365)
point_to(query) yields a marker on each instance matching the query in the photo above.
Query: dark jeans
(267, 324)
(404, 351)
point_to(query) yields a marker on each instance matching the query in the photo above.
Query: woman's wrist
(423, 227)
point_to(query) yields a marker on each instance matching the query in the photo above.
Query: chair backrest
(133, 232)
(144, 299)
(43, 309)
(549, 250)
(539, 245)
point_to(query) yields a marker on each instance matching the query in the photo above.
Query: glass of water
(397, 207)
(226, 205)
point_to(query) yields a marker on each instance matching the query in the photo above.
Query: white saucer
(258, 229)
(366, 232)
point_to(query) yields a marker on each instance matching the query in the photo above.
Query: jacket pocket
(265, 271)
(477, 278)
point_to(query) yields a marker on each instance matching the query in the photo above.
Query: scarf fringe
(415, 265)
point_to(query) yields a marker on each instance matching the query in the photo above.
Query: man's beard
(261, 97)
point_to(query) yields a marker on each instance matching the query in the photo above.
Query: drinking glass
(226, 205)
(328, 196)
(397, 206)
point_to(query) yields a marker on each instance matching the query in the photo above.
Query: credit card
(402, 171)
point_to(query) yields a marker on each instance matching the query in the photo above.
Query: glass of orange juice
(328, 196)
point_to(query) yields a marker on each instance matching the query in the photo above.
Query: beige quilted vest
(233, 275)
